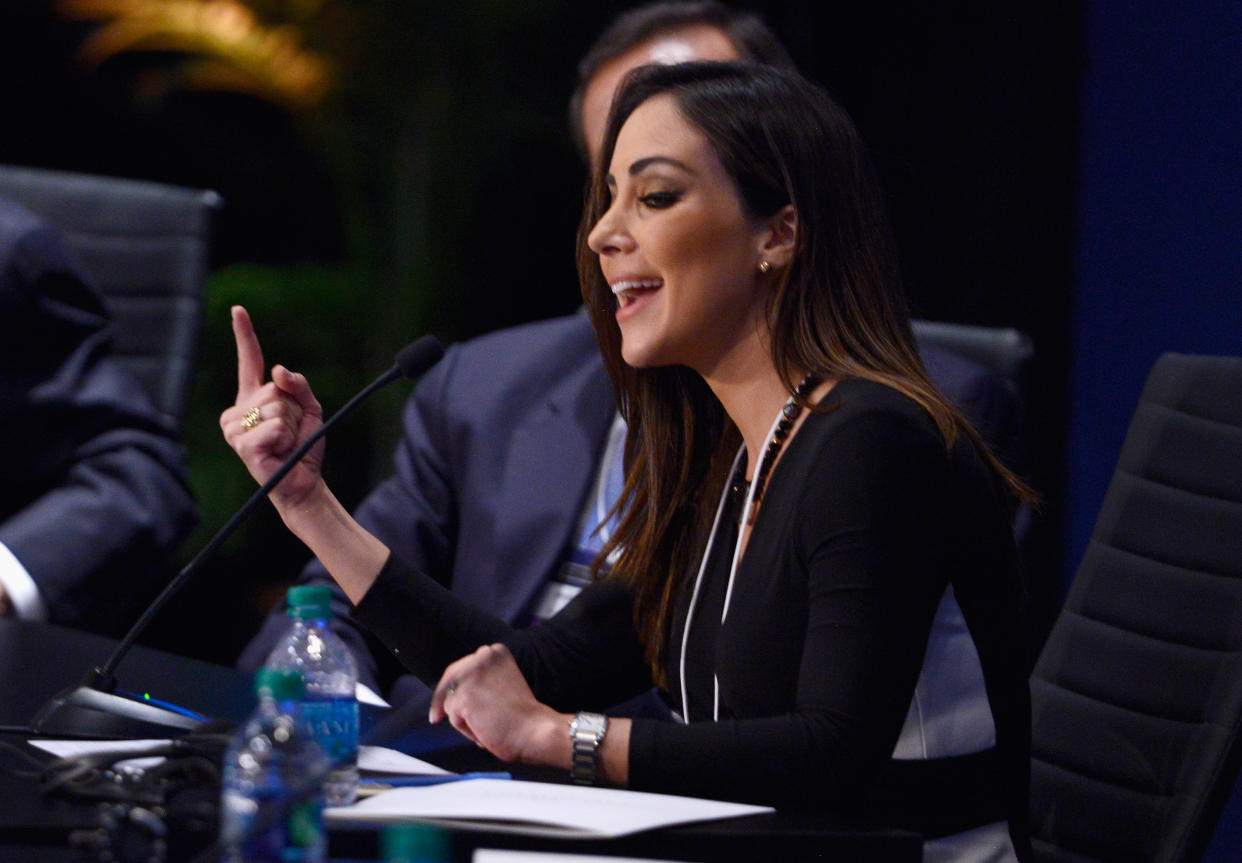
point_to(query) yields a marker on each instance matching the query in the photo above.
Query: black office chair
(1137, 695)
(1002, 350)
(147, 246)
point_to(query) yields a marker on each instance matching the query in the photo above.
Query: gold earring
(765, 267)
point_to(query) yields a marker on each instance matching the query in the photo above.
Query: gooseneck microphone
(93, 708)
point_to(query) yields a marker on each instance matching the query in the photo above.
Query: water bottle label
(334, 725)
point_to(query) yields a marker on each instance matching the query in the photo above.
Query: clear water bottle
(330, 707)
(271, 806)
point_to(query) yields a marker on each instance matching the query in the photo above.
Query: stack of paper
(536, 808)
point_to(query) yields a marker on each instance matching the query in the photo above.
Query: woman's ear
(779, 236)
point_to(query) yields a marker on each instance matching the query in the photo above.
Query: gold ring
(251, 418)
(452, 687)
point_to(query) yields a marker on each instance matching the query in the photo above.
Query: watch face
(589, 725)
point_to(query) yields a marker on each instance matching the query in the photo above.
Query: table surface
(39, 660)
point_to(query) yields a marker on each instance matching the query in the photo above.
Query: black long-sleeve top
(866, 520)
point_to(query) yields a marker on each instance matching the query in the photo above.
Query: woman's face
(676, 248)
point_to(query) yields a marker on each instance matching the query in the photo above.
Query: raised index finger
(249, 354)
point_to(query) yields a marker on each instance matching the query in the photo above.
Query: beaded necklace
(780, 432)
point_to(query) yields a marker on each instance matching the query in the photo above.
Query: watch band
(586, 732)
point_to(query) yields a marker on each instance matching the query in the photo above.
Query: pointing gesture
(249, 355)
(270, 419)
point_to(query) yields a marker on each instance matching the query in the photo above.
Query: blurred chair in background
(1137, 696)
(147, 247)
(995, 366)
(1004, 350)
(1006, 354)
(93, 494)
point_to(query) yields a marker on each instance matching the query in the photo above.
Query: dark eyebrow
(642, 164)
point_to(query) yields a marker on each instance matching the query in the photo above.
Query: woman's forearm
(614, 753)
(552, 747)
(352, 555)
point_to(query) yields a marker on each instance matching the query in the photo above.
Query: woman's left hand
(486, 698)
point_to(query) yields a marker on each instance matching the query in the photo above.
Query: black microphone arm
(92, 708)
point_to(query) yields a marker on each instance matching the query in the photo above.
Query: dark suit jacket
(93, 492)
(501, 442)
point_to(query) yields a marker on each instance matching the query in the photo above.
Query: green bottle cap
(309, 601)
(280, 684)
(413, 843)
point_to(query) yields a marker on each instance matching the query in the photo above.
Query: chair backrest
(147, 246)
(1003, 350)
(1137, 695)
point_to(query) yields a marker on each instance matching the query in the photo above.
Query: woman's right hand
(270, 419)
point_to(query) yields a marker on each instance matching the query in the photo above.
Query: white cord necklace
(777, 435)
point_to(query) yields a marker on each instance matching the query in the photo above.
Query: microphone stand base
(85, 712)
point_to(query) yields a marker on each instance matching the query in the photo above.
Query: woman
(814, 560)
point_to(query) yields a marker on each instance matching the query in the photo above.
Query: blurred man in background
(93, 491)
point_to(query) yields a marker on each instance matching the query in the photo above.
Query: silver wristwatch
(586, 732)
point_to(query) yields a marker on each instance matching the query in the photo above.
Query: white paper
(371, 759)
(378, 759)
(496, 855)
(538, 808)
(367, 695)
(69, 748)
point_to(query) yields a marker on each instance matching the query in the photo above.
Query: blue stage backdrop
(1159, 217)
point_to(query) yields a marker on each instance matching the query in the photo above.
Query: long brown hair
(837, 310)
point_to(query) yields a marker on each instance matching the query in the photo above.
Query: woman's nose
(607, 237)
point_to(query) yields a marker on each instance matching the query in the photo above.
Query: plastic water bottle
(271, 806)
(330, 707)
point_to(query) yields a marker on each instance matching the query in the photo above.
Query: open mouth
(629, 290)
